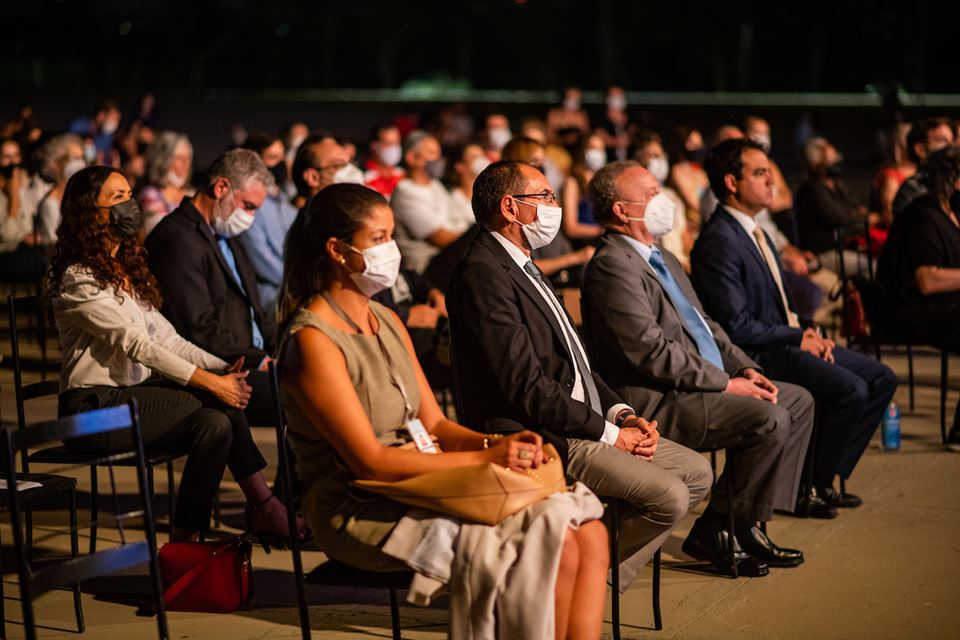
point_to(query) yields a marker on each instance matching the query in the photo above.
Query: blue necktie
(706, 345)
(232, 263)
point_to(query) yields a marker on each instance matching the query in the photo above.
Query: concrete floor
(890, 569)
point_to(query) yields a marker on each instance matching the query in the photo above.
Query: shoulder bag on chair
(485, 493)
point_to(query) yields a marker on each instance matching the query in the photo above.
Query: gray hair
(51, 154)
(414, 138)
(159, 156)
(815, 150)
(241, 167)
(603, 189)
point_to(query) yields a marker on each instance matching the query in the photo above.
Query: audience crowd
(629, 296)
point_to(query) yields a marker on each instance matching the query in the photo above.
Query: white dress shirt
(610, 430)
(109, 338)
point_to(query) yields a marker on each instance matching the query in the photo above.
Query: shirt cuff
(615, 409)
(610, 433)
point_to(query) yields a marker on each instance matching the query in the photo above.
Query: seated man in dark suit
(739, 279)
(518, 362)
(208, 283)
(654, 344)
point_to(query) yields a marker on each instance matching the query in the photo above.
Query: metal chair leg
(171, 496)
(395, 614)
(944, 375)
(728, 472)
(910, 375)
(3, 609)
(657, 618)
(94, 508)
(74, 552)
(713, 465)
(217, 511)
(614, 536)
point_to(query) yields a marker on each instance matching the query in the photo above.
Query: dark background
(266, 63)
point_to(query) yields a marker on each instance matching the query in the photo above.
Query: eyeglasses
(549, 198)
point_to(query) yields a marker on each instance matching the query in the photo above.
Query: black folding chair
(41, 307)
(37, 581)
(331, 573)
(612, 515)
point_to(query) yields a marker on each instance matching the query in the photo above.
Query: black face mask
(8, 170)
(695, 155)
(835, 170)
(280, 174)
(955, 202)
(125, 219)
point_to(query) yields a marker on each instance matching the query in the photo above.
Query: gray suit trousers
(657, 493)
(766, 444)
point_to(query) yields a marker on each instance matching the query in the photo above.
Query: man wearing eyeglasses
(320, 162)
(519, 363)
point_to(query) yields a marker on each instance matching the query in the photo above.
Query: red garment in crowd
(381, 180)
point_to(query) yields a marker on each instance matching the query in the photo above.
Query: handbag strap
(184, 581)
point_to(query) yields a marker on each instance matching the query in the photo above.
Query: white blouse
(109, 338)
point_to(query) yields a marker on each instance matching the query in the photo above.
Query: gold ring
(523, 454)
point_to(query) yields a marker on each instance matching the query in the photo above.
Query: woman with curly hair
(116, 345)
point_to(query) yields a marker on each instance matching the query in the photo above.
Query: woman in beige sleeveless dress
(351, 383)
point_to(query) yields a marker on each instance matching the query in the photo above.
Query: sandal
(271, 538)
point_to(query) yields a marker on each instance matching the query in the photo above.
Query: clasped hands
(638, 437)
(813, 342)
(752, 384)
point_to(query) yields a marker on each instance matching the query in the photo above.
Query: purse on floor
(485, 493)
(208, 577)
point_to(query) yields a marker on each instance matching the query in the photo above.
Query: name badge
(420, 437)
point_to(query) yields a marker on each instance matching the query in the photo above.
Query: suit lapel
(750, 247)
(647, 272)
(204, 230)
(522, 281)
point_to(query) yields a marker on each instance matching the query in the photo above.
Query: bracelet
(487, 439)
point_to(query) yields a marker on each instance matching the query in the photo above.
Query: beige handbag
(485, 493)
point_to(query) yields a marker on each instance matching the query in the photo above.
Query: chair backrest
(41, 308)
(34, 583)
(287, 497)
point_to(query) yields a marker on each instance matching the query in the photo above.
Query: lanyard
(394, 374)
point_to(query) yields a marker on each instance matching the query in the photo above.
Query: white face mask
(762, 139)
(617, 102)
(382, 266)
(348, 173)
(175, 181)
(478, 165)
(544, 228)
(595, 159)
(499, 137)
(390, 155)
(110, 127)
(659, 167)
(658, 216)
(231, 224)
(73, 165)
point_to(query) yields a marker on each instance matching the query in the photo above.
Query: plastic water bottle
(890, 428)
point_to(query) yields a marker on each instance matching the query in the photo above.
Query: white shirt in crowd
(109, 338)
(461, 211)
(420, 210)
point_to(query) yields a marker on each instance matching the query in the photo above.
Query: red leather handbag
(208, 577)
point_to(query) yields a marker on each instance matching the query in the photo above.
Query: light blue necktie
(232, 263)
(706, 345)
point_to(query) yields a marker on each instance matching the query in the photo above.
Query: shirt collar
(515, 252)
(746, 220)
(645, 250)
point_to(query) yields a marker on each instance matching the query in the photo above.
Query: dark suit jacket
(510, 360)
(641, 346)
(201, 298)
(737, 289)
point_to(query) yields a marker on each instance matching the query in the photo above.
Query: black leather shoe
(710, 543)
(757, 544)
(813, 506)
(839, 500)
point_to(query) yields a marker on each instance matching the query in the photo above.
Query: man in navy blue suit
(738, 277)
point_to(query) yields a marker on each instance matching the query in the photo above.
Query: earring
(343, 260)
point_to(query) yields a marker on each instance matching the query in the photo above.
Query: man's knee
(671, 501)
(699, 480)
(213, 429)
